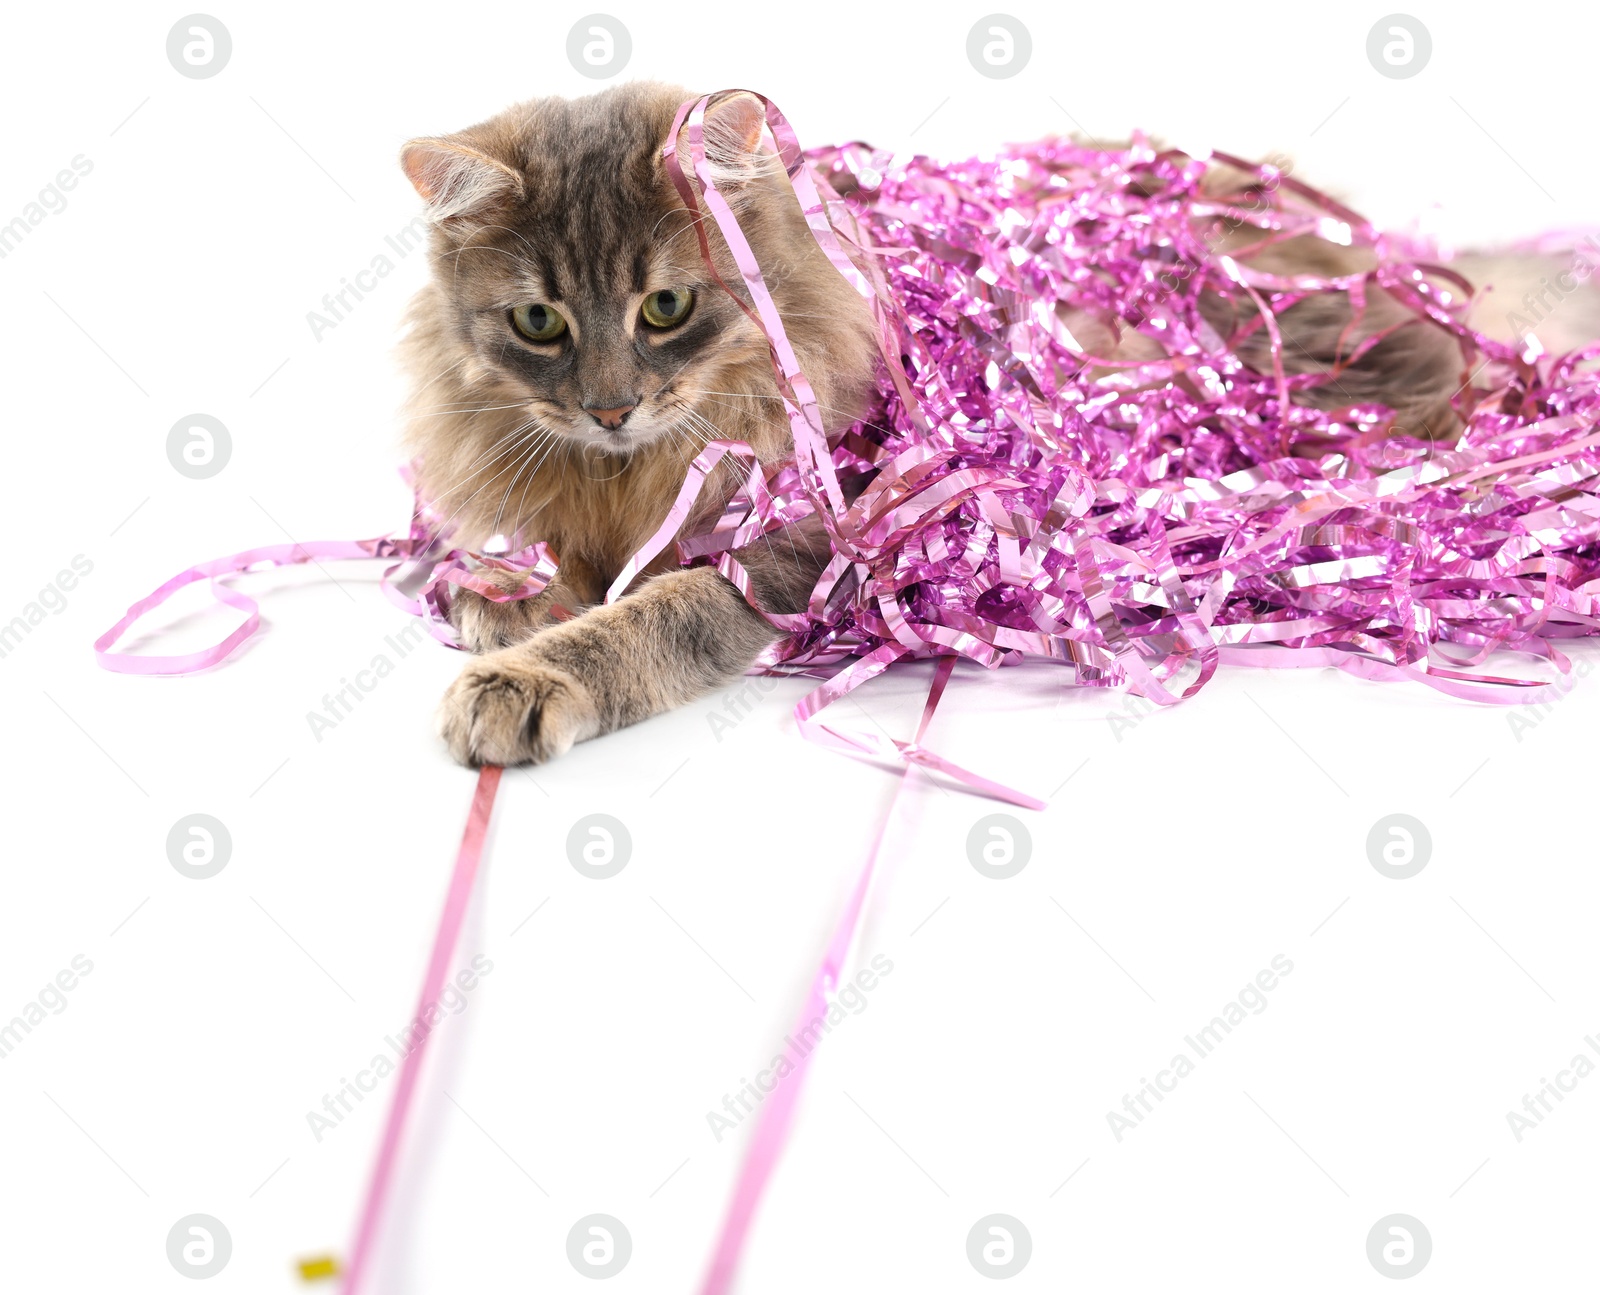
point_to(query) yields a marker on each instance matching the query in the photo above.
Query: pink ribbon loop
(272, 555)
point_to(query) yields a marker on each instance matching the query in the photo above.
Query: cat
(569, 359)
(572, 354)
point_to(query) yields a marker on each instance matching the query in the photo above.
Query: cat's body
(573, 354)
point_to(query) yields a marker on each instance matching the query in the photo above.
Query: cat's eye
(538, 322)
(667, 308)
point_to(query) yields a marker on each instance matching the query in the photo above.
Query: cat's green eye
(667, 308)
(538, 322)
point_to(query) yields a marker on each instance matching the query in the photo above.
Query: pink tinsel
(1144, 526)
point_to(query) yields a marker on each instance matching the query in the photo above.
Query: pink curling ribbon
(271, 555)
(433, 983)
(772, 1126)
(421, 555)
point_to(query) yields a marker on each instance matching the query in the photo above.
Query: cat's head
(569, 286)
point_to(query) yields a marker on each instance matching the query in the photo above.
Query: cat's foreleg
(680, 636)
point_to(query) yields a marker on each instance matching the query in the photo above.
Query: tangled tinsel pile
(1143, 521)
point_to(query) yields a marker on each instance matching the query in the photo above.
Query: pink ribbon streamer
(777, 1113)
(272, 555)
(433, 982)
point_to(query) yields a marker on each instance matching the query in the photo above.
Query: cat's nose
(611, 419)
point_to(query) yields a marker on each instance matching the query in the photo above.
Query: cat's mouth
(573, 439)
(616, 431)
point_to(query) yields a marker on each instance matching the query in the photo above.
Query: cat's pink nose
(611, 419)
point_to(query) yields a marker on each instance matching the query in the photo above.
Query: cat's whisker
(493, 450)
(500, 511)
(710, 430)
(514, 234)
(556, 443)
(763, 395)
(468, 409)
(670, 239)
(455, 260)
(758, 395)
(445, 372)
(527, 447)
(665, 386)
(488, 484)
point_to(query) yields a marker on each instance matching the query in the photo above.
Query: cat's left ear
(733, 139)
(456, 179)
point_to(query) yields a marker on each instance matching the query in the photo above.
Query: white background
(1178, 856)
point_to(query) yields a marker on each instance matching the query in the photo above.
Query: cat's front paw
(507, 708)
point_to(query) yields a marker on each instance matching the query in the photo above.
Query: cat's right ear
(733, 126)
(456, 179)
